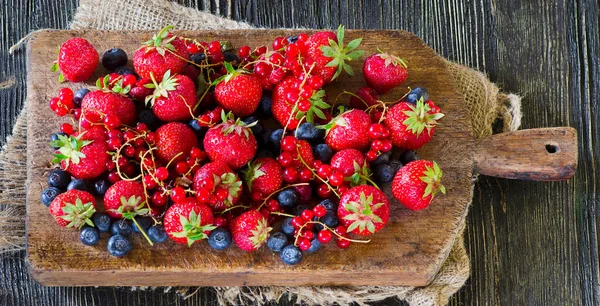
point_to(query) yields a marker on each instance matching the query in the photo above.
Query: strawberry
(263, 175)
(223, 178)
(364, 210)
(305, 152)
(368, 97)
(77, 60)
(95, 133)
(383, 72)
(407, 122)
(82, 158)
(231, 142)
(126, 199)
(249, 230)
(188, 221)
(329, 55)
(416, 184)
(346, 161)
(349, 130)
(162, 53)
(238, 91)
(173, 98)
(100, 103)
(174, 141)
(73, 208)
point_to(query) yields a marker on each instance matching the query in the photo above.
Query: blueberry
(257, 129)
(147, 117)
(144, 222)
(118, 246)
(231, 57)
(114, 58)
(157, 233)
(198, 58)
(124, 70)
(275, 141)
(315, 245)
(264, 153)
(308, 131)
(290, 255)
(416, 93)
(287, 197)
(101, 221)
(408, 156)
(121, 227)
(329, 205)
(59, 178)
(195, 125)
(382, 159)
(219, 239)
(77, 184)
(384, 173)
(396, 165)
(100, 187)
(292, 39)
(340, 109)
(300, 208)
(330, 219)
(287, 227)
(54, 137)
(49, 194)
(89, 235)
(264, 107)
(323, 152)
(277, 241)
(78, 96)
(263, 138)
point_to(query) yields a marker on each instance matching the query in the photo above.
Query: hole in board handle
(552, 147)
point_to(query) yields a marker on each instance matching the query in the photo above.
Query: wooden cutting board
(409, 251)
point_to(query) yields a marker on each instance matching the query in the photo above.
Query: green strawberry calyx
(391, 59)
(238, 126)
(361, 175)
(260, 233)
(193, 229)
(55, 68)
(420, 117)
(230, 182)
(162, 89)
(337, 121)
(69, 149)
(342, 54)
(317, 105)
(132, 207)
(116, 86)
(432, 176)
(252, 172)
(161, 41)
(78, 214)
(231, 74)
(362, 214)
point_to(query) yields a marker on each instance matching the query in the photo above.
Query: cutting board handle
(546, 154)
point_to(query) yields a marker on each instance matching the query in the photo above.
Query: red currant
(149, 182)
(343, 243)
(181, 167)
(315, 82)
(319, 210)
(276, 59)
(214, 47)
(371, 155)
(324, 191)
(129, 151)
(292, 51)
(114, 143)
(305, 175)
(221, 194)
(336, 178)
(276, 76)
(307, 214)
(285, 159)
(65, 95)
(207, 184)
(297, 222)
(310, 235)
(129, 135)
(193, 48)
(66, 128)
(262, 69)
(244, 51)
(273, 205)
(114, 177)
(291, 95)
(278, 43)
(343, 188)
(162, 173)
(220, 221)
(203, 195)
(375, 131)
(304, 105)
(159, 199)
(304, 244)
(77, 113)
(290, 175)
(288, 143)
(177, 194)
(324, 171)
(341, 230)
(324, 236)
(218, 57)
(387, 146)
(110, 165)
(129, 80)
(260, 50)
(303, 37)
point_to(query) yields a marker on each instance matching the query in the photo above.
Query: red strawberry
(368, 97)
(231, 142)
(73, 208)
(100, 103)
(223, 178)
(346, 161)
(383, 72)
(408, 121)
(77, 60)
(96, 133)
(329, 54)
(349, 130)
(416, 184)
(82, 158)
(126, 199)
(162, 53)
(173, 98)
(238, 92)
(364, 210)
(188, 221)
(263, 175)
(249, 230)
(174, 141)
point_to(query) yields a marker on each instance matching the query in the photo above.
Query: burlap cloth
(485, 103)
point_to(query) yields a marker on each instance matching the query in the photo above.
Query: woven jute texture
(483, 100)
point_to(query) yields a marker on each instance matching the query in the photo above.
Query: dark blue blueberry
(198, 58)
(49, 194)
(118, 246)
(114, 58)
(315, 245)
(416, 93)
(264, 153)
(292, 39)
(124, 70)
(300, 208)
(396, 165)
(308, 131)
(231, 57)
(275, 141)
(219, 239)
(195, 125)
(101, 221)
(287, 227)
(382, 159)
(323, 152)
(383, 174)
(147, 117)
(77, 184)
(100, 187)
(144, 222)
(287, 197)
(89, 235)
(264, 107)
(257, 129)
(263, 138)
(330, 219)
(78, 96)
(408, 156)
(121, 227)
(277, 241)
(290, 255)
(59, 178)
(338, 109)
(54, 137)
(329, 205)
(157, 233)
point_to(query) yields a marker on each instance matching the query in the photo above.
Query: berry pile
(203, 141)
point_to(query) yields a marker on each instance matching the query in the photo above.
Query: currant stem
(329, 229)
(232, 208)
(315, 174)
(142, 231)
(282, 214)
(366, 178)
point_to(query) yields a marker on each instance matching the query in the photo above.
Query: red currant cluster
(380, 143)
(63, 104)
(304, 226)
(295, 164)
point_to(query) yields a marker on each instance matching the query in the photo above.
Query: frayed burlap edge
(483, 100)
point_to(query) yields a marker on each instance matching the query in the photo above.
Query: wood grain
(409, 251)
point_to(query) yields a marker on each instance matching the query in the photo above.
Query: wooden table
(530, 243)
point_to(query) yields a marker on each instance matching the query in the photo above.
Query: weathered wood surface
(529, 242)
